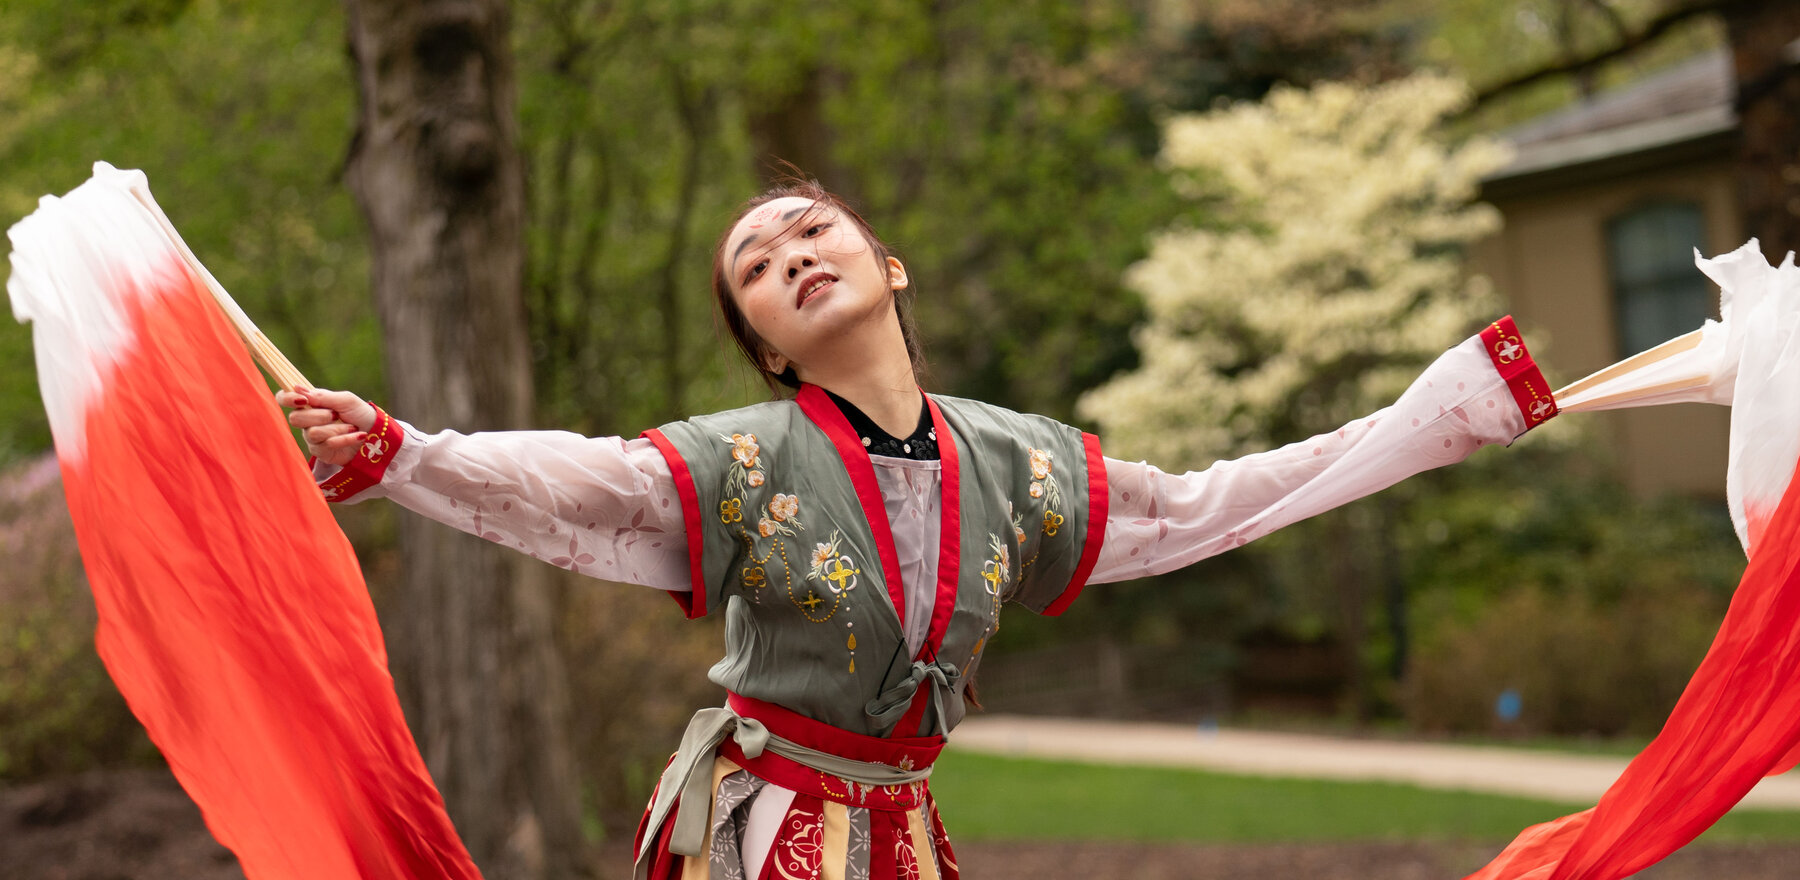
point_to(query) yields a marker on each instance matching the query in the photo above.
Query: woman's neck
(892, 406)
(873, 371)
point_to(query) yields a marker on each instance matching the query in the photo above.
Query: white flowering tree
(1336, 273)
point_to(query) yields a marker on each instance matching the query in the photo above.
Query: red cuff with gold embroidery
(1529, 390)
(370, 463)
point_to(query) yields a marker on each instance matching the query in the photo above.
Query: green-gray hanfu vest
(788, 534)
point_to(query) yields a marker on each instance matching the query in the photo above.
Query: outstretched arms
(1482, 392)
(601, 506)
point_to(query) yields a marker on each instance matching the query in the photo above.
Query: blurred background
(1201, 228)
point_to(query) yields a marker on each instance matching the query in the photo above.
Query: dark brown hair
(754, 349)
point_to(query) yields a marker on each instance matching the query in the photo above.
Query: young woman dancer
(861, 535)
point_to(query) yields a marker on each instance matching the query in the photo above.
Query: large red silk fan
(1739, 718)
(233, 615)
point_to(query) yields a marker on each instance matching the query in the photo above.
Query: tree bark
(436, 170)
(1767, 66)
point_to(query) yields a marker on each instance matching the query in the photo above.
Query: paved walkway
(1531, 773)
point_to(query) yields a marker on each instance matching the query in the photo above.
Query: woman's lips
(814, 284)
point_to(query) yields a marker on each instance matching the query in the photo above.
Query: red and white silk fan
(233, 615)
(1739, 718)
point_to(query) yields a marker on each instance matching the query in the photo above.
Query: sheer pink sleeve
(1159, 522)
(600, 506)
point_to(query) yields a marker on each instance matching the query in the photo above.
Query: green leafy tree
(1336, 274)
(239, 114)
(1333, 275)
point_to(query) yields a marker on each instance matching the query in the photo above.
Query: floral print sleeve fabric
(600, 506)
(1161, 522)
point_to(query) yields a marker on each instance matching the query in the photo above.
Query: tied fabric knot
(891, 704)
(683, 778)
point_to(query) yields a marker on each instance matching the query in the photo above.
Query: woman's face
(804, 275)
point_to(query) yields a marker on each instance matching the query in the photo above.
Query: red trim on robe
(370, 463)
(823, 413)
(949, 564)
(693, 602)
(949, 534)
(1098, 508)
(1529, 390)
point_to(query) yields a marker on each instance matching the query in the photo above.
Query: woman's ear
(775, 362)
(896, 273)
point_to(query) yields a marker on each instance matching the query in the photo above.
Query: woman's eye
(815, 229)
(756, 270)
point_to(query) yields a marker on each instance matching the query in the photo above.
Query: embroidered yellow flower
(784, 507)
(1037, 489)
(755, 576)
(997, 570)
(1040, 464)
(744, 449)
(755, 478)
(731, 510)
(1052, 522)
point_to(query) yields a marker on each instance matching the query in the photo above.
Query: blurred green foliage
(240, 114)
(996, 145)
(1535, 574)
(59, 713)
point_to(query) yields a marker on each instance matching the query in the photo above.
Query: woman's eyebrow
(751, 239)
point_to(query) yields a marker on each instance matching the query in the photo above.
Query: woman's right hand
(333, 423)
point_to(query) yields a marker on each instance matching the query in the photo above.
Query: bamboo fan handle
(264, 352)
(274, 362)
(1678, 345)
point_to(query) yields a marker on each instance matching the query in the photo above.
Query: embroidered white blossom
(767, 527)
(745, 450)
(1037, 489)
(755, 478)
(822, 554)
(1040, 464)
(784, 507)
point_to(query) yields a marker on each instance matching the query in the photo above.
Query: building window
(1657, 293)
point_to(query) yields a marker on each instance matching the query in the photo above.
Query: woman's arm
(1159, 522)
(601, 506)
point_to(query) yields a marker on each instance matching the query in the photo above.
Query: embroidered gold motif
(1044, 487)
(731, 510)
(841, 575)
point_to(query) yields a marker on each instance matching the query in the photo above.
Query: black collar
(920, 445)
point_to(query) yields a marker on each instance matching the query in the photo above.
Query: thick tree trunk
(436, 170)
(1767, 59)
(792, 129)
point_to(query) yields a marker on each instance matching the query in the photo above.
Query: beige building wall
(1550, 263)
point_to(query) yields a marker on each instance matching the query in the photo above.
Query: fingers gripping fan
(233, 616)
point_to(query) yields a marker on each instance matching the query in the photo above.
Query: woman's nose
(796, 262)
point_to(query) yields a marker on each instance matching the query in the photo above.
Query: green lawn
(990, 798)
